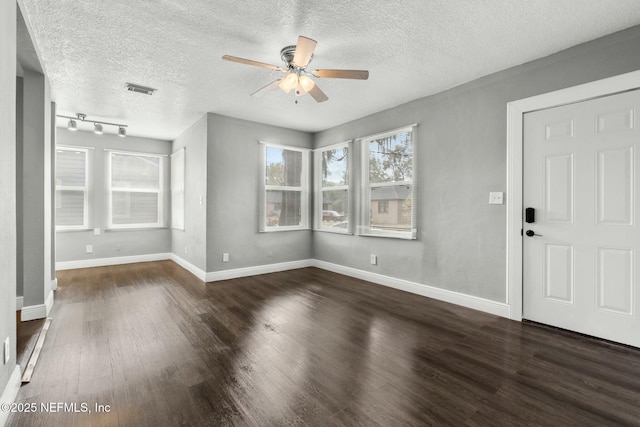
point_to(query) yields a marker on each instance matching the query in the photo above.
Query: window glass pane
(335, 208)
(71, 168)
(335, 167)
(131, 171)
(135, 208)
(390, 158)
(283, 208)
(70, 207)
(284, 167)
(391, 207)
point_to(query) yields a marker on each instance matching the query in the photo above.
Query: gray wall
(36, 181)
(194, 235)
(232, 196)
(19, 186)
(70, 245)
(7, 186)
(461, 158)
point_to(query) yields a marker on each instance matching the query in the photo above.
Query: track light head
(73, 125)
(97, 129)
(122, 132)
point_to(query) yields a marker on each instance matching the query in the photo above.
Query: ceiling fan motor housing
(287, 53)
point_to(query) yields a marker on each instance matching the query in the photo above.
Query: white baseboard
(19, 303)
(101, 262)
(464, 300)
(9, 394)
(38, 311)
(259, 269)
(200, 274)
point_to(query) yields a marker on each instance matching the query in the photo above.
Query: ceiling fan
(296, 77)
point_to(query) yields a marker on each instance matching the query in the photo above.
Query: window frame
(303, 189)
(319, 189)
(178, 188)
(364, 228)
(160, 191)
(85, 189)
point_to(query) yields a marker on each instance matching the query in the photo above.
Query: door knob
(531, 233)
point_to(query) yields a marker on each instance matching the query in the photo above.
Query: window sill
(390, 234)
(118, 229)
(277, 229)
(329, 230)
(73, 230)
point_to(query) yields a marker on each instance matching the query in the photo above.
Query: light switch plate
(496, 198)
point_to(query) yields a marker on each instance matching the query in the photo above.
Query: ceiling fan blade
(342, 74)
(250, 62)
(304, 50)
(317, 94)
(266, 88)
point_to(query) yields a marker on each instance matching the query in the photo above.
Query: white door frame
(515, 111)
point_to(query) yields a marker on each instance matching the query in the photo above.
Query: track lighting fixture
(98, 125)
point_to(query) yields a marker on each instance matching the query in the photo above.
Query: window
(177, 189)
(332, 188)
(285, 204)
(72, 195)
(389, 196)
(136, 190)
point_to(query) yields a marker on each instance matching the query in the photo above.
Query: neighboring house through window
(285, 193)
(332, 188)
(388, 191)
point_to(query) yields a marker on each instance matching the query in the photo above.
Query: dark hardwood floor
(308, 347)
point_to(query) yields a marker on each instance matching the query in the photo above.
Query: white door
(579, 269)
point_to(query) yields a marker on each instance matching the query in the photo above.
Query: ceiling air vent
(132, 87)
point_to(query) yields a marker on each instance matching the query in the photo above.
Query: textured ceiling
(412, 48)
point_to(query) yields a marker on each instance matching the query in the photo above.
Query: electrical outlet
(496, 198)
(7, 351)
(89, 249)
(96, 231)
(374, 260)
(225, 257)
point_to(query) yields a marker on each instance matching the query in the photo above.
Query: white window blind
(177, 189)
(389, 193)
(332, 196)
(71, 198)
(285, 194)
(135, 190)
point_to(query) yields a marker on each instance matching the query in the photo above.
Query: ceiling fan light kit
(296, 60)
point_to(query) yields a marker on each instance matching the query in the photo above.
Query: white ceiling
(412, 48)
